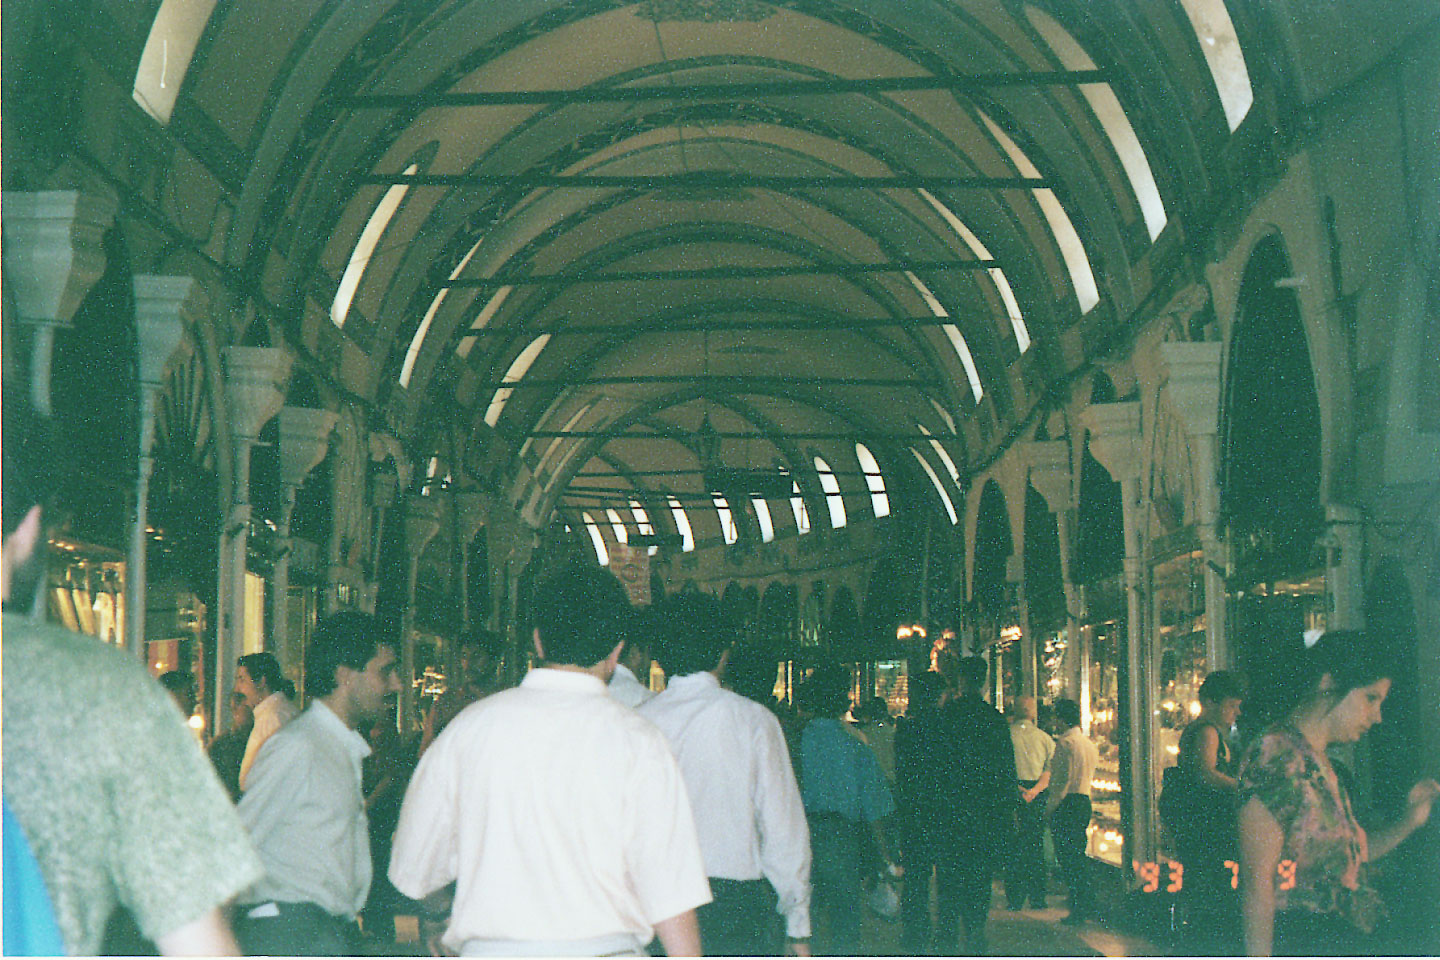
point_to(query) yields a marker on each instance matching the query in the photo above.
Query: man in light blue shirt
(845, 792)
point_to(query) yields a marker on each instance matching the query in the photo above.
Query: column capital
(165, 308)
(1194, 384)
(54, 250)
(422, 522)
(1047, 465)
(472, 510)
(304, 440)
(1115, 438)
(384, 446)
(255, 379)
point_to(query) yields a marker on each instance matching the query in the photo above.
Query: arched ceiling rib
(972, 192)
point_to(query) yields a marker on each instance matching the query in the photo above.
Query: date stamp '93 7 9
(1150, 875)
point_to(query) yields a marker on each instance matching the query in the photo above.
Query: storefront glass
(1104, 642)
(1179, 598)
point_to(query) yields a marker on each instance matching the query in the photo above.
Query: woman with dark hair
(1303, 855)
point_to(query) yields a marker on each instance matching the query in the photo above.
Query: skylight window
(797, 506)
(682, 524)
(939, 488)
(728, 529)
(516, 373)
(593, 528)
(939, 449)
(618, 526)
(1112, 117)
(879, 499)
(997, 276)
(492, 306)
(1077, 261)
(365, 249)
(762, 517)
(1216, 33)
(431, 469)
(833, 499)
(466, 345)
(169, 48)
(957, 340)
(643, 525)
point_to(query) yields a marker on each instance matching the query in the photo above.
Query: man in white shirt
(1071, 770)
(751, 821)
(1033, 750)
(630, 682)
(304, 808)
(558, 813)
(259, 679)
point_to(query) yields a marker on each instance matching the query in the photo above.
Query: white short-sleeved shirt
(1073, 766)
(559, 812)
(627, 688)
(1033, 749)
(747, 804)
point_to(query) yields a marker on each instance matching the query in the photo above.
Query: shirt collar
(563, 681)
(328, 721)
(625, 673)
(694, 682)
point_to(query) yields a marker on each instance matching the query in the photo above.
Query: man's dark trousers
(1027, 880)
(300, 929)
(1067, 825)
(741, 920)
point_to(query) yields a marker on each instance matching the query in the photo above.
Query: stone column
(1115, 441)
(1194, 390)
(1344, 567)
(304, 440)
(54, 253)
(422, 522)
(255, 379)
(471, 509)
(1048, 471)
(165, 307)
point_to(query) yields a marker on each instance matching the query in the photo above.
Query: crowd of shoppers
(583, 814)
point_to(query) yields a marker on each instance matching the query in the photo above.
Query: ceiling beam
(721, 91)
(901, 436)
(739, 380)
(561, 328)
(705, 180)
(721, 273)
(678, 472)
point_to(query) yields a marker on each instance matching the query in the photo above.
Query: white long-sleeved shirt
(1034, 749)
(306, 815)
(559, 813)
(1072, 767)
(271, 714)
(627, 688)
(747, 805)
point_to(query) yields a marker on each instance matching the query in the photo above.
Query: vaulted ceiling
(809, 223)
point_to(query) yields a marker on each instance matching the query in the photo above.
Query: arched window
(365, 248)
(682, 524)
(617, 525)
(939, 488)
(642, 523)
(169, 48)
(997, 276)
(833, 499)
(762, 517)
(957, 340)
(517, 372)
(728, 530)
(1216, 33)
(879, 500)
(593, 529)
(797, 506)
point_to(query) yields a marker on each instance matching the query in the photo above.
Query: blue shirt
(30, 927)
(840, 774)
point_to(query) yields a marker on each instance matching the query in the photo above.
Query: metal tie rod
(713, 91)
(738, 380)
(721, 273)
(705, 179)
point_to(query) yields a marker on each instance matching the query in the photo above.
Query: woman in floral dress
(1303, 855)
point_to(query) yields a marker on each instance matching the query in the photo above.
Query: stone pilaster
(255, 379)
(422, 522)
(54, 253)
(165, 307)
(304, 441)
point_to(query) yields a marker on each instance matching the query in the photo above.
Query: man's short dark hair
(178, 682)
(580, 613)
(826, 692)
(752, 671)
(973, 671)
(695, 634)
(1068, 713)
(264, 666)
(341, 640)
(487, 642)
(1222, 685)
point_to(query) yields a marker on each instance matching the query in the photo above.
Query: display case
(1103, 647)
